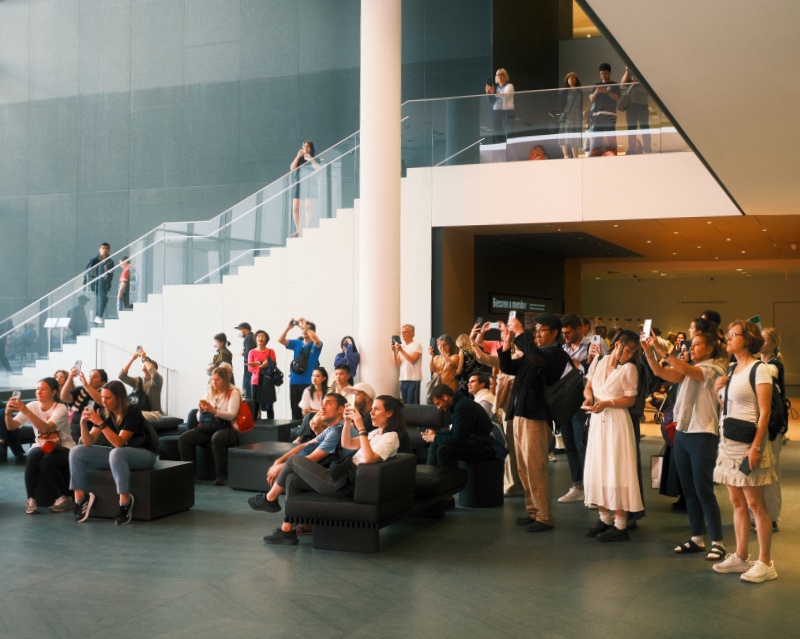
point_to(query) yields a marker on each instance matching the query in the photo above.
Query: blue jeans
(409, 391)
(101, 300)
(247, 384)
(695, 457)
(120, 460)
(572, 434)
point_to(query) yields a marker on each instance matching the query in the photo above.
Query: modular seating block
(204, 458)
(484, 484)
(432, 486)
(248, 465)
(383, 493)
(269, 430)
(163, 490)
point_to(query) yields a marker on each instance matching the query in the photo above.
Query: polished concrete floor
(207, 573)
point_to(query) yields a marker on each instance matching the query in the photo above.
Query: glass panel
(185, 253)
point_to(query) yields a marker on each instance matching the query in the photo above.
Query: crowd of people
(719, 413)
(606, 98)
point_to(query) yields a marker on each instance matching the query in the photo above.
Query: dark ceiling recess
(566, 246)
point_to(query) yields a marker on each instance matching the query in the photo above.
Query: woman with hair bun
(49, 454)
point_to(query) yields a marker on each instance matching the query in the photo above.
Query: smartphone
(494, 325)
(512, 315)
(78, 364)
(16, 394)
(138, 348)
(91, 404)
(744, 467)
(489, 82)
(351, 399)
(596, 339)
(648, 328)
(433, 346)
(395, 339)
(479, 320)
(295, 323)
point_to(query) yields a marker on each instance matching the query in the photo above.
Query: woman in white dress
(610, 478)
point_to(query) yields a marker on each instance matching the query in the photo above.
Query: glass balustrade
(187, 253)
(550, 124)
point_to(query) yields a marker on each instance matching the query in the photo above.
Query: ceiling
(727, 72)
(682, 247)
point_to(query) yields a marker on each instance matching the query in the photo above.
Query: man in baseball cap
(365, 394)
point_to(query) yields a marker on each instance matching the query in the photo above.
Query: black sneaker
(260, 502)
(280, 537)
(125, 513)
(599, 527)
(524, 521)
(613, 534)
(221, 480)
(538, 526)
(83, 508)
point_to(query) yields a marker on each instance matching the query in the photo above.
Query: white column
(379, 219)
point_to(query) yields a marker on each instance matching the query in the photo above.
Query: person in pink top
(261, 361)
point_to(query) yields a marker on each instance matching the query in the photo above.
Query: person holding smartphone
(78, 398)
(747, 468)
(304, 188)
(115, 436)
(407, 356)
(49, 454)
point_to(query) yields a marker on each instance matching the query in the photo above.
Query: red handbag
(244, 420)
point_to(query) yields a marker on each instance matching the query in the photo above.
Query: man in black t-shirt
(604, 113)
(78, 398)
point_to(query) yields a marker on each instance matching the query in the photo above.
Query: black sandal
(689, 548)
(717, 553)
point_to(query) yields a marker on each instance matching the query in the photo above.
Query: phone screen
(351, 399)
(494, 325)
(648, 328)
(596, 339)
(512, 315)
(16, 395)
(479, 320)
(395, 339)
(78, 364)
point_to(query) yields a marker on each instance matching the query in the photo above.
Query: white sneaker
(573, 494)
(552, 457)
(62, 504)
(98, 320)
(733, 563)
(760, 572)
(30, 506)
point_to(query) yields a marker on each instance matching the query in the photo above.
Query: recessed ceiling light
(743, 252)
(763, 230)
(663, 275)
(716, 258)
(699, 247)
(616, 225)
(738, 269)
(674, 232)
(648, 241)
(674, 253)
(655, 271)
(727, 239)
(597, 278)
(709, 222)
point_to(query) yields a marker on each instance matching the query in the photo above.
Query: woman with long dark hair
(696, 414)
(370, 448)
(311, 400)
(49, 454)
(570, 123)
(304, 188)
(348, 355)
(115, 436)
(610, 478)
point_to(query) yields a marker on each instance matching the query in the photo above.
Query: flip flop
(717, 553)
(688, 548)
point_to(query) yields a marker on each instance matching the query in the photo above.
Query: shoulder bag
(300, 363)
(738, 430)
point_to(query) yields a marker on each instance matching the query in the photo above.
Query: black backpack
(139, 398)
(779, 410)
(300, 363)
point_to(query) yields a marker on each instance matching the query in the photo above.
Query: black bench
(165, 489)
(248, 464)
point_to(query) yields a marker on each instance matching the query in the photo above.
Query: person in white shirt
(408, 357)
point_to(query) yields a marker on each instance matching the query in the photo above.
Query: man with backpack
(306, 359)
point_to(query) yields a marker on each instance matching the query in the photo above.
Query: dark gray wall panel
(14, 53)
(102, 217)
(52, 223)
(14, 149)
(156, 138)
(457, 29)
(104, 142)
(268, 131)
(329, 35)
(54, 68)
(270, 44)
(328, 106)
(105, 46)
(211, 41)
(205, 202)
(156, 43)
(147, 208)
(14, 256)
(210, 134)
(53, 143)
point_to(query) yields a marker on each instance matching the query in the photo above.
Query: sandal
(689, 547)
(717, 553)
